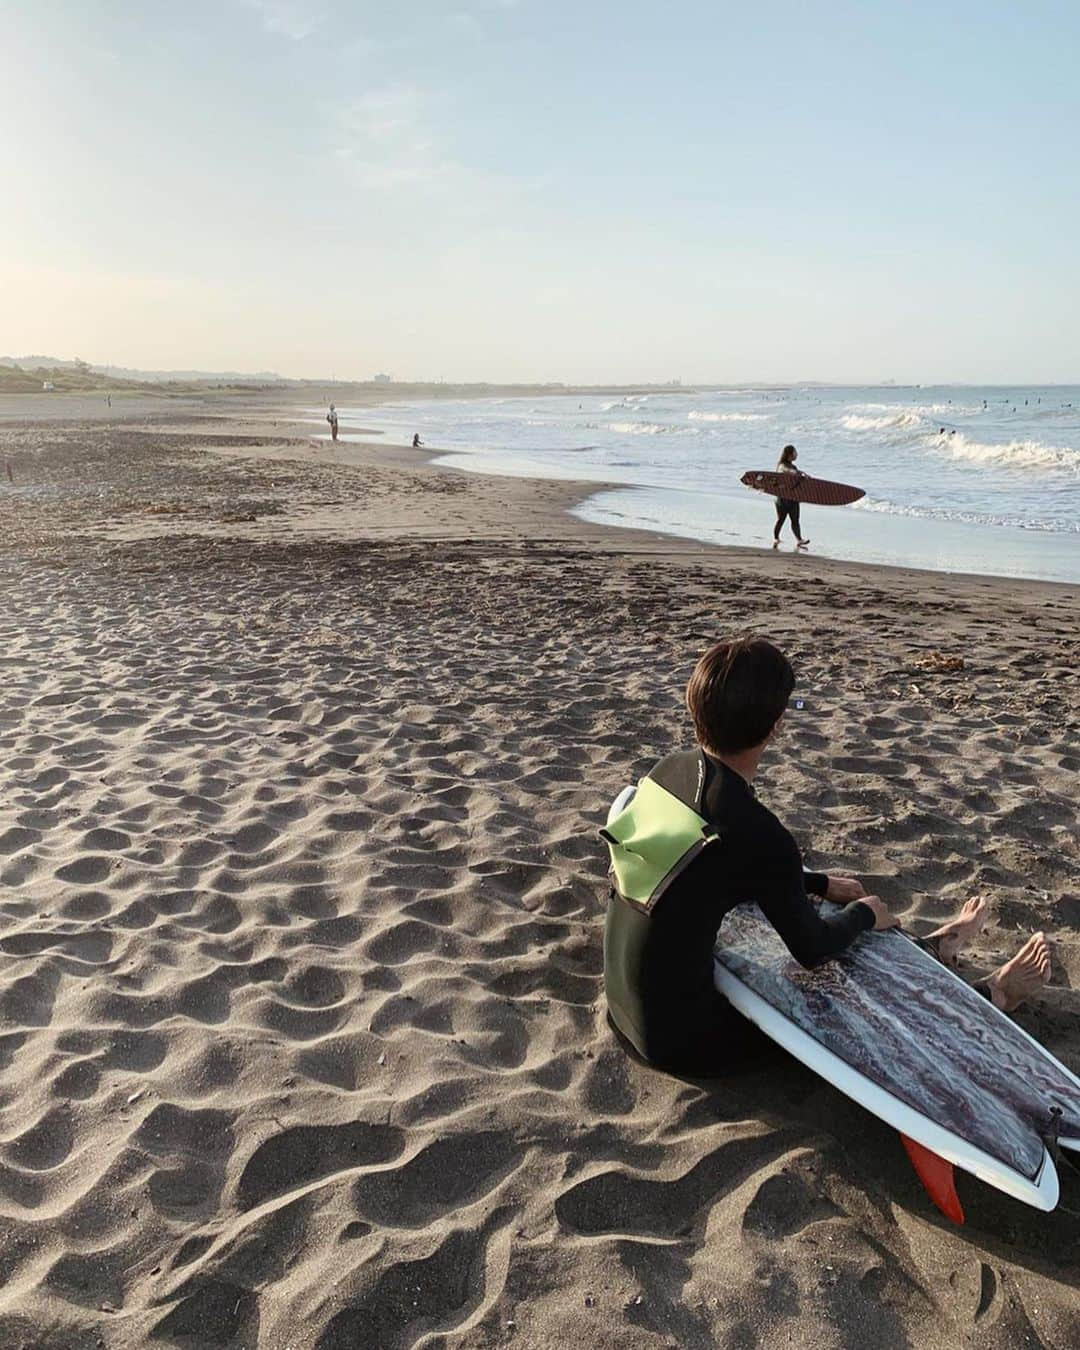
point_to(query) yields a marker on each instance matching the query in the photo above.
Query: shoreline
(246, 416)
(725, 514)
(578, 492)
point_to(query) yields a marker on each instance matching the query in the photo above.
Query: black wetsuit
(786, 507)
(787, 510)
(658, 964)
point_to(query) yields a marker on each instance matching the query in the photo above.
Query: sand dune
(302, 1037)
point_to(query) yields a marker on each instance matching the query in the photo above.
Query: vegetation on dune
(22, 380)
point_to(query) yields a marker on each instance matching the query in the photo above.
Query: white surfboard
(1040, 1190)
(905, 1037)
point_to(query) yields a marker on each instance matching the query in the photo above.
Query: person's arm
(816, 883)
(780, 890)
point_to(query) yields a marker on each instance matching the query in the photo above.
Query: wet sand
(302, 1043)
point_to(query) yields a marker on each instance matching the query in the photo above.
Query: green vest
(652, 841)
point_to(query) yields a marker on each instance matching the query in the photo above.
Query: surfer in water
(785, 509)
(658, 951)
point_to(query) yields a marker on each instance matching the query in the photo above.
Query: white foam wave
(1011, 454)
(894, 421)
(1015, 521)
(696, 416)
(629, 401)
(922, 409)
(642, 428)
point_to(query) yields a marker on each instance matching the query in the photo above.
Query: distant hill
(192, 376)
(87, 375)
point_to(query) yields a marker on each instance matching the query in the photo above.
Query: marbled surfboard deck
(902, 1020)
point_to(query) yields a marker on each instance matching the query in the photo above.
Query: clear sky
(580, 190)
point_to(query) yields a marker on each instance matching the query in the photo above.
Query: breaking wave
(630, 401)
(920, 409)
(898, 421)
(1011, 454)
(728, 417)
(644, 429)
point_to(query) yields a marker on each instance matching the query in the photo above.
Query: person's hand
(883, 915)
(843, 889)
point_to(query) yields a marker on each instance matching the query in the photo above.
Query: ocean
(957, 478)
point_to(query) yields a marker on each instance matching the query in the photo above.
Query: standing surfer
(787, 509)
(697, 843)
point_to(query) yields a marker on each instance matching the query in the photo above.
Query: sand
(302, 1039)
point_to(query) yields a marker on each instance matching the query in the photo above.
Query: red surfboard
(800, 487)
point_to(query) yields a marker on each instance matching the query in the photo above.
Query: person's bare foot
(1017, 979)
(953, 936)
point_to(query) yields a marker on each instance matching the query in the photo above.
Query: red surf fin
(937, 1176)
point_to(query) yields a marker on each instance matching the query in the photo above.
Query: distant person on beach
(658, 952)
(416, 441)
(331, 417)
(785, 509)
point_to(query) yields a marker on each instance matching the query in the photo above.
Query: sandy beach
(303, 750)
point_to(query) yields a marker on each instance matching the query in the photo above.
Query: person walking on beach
(417, 443)
(331, 417)
(785, 509)
(658, 952)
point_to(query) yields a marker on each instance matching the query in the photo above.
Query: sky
(578, 190)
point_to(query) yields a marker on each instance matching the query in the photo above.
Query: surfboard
(898, 1032)
(905, 1037)
(802, 488)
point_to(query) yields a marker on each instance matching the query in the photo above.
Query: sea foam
(898, 420)
(696, 416)
(1010, 454)
(1014, 520)
(644, 429)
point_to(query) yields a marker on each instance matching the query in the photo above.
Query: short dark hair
(737, 693)
(786, 454)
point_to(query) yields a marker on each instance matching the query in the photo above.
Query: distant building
(47, 386)
(383, 379)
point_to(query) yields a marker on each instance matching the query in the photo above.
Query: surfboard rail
(1017, 1030)
(1042, 1192)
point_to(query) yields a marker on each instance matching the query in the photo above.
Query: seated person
(658, 948)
